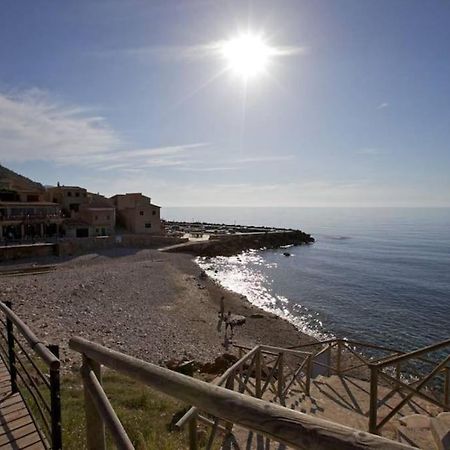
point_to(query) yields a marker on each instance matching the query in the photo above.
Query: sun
(247, 55)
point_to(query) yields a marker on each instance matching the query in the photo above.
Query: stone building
(86, 214)
(25, 214)
(69, 197)
(136, 213)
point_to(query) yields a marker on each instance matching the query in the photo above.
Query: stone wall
(69, 247)
(233, 244)
(12, 252)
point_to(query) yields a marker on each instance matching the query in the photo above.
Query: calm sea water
(377, 275)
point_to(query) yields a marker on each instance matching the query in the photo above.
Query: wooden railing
(402, 371)
(433, 386)
(40, 391)
(263, 371)
(276, 422)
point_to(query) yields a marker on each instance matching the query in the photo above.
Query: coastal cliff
(233, 244)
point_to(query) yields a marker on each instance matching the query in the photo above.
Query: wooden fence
(281, 424)
(264, 371)
(415, 374)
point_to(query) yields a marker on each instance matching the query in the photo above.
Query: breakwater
(233, 244)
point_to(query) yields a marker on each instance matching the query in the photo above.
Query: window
(154, 213)
(84, 195)
(141, 213)
(69, 194)
(96, 217)
(107, 217)
(148, 225)
(77, 194)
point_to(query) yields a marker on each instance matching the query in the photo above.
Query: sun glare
(247, 55)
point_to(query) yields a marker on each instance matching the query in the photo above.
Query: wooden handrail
(414, 354)
(278, 350)
(281, 424)
(223, 378)
(38, 346)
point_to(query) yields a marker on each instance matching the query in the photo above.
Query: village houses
(30, 211)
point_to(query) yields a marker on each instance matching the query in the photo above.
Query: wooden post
(447, 389)
(258, 357)
(229, 385)
(338, 357)
(95, 427)
(373, 407)
(193, 441)
(397, 374)
(281, 378)
(308, 375)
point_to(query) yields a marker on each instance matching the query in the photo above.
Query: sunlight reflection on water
(248, 274)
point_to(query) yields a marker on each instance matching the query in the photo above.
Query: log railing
(27, 369)
(276, 422)
(432, 384)
(404, 372)
(264, 371)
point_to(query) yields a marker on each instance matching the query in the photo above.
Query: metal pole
(11, 353)
(55, 399)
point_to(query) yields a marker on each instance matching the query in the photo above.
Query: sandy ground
(149, 304)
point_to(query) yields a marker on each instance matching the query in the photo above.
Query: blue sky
(121, 96)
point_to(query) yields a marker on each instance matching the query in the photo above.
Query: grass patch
(144, 413)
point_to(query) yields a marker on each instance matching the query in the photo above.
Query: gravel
(149, 304)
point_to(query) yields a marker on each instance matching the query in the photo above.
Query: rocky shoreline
(152, 305)
(233, 244)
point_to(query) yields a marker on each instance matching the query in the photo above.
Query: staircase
(345, 400)
(404, 398)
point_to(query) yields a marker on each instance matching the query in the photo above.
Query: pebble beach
(151, 305)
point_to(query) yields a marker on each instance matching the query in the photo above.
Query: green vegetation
(145, 414)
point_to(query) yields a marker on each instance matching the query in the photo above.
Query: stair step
(445, 417)
(441, 433)
(416, 421)
(417, 437)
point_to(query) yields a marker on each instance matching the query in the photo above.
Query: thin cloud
(207, 169)
(370, 151)
(252, 159)
(383, 105)
(35, 127)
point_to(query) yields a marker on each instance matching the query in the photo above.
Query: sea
(378, 275)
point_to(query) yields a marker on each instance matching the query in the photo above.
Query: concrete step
(415, 429)
(441, 432)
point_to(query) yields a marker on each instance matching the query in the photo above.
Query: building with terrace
(25, 214)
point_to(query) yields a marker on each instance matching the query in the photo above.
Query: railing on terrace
(39, 390)
(276, 422)
(408, 373)
(29, 217)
